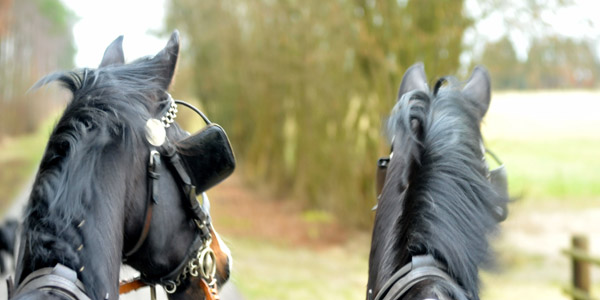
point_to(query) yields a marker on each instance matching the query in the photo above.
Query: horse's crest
(437, 200)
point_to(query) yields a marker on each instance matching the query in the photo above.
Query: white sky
(579, 21)
(100, 22)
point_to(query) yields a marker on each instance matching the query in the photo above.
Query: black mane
(440, 194)
(90, 153)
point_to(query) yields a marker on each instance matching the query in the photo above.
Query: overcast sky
(100, 22)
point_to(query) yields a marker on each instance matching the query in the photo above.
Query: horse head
(437, 200)
(120, 181)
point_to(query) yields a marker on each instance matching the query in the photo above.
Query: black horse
(7, 242)
(116, 185)
(439, 202)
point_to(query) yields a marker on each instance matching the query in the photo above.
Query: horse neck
(86, 236)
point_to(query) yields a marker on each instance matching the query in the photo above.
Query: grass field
(550, 143)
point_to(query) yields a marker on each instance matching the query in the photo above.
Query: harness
(60, 280)
(198, 162)
(420, 268)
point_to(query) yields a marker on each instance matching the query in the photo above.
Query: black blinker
(382, 165)
(208, 157)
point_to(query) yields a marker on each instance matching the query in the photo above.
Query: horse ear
(166, 61)
(414, 79)
(478, 90)
(113, 55)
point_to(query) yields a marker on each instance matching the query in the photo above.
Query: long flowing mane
(439, 196)
(95, 141)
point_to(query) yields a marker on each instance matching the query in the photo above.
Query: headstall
(200, 260)
(198, 162)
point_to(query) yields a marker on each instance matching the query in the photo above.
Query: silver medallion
(155, 132)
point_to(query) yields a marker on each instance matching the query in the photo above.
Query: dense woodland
(302, 87)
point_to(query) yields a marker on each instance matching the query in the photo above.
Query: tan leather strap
(130, 286)
(210, 293)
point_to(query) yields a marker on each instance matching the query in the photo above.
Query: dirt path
(240, 210)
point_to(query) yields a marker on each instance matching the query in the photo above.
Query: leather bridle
(200, 260)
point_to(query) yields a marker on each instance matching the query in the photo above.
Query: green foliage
(302, 86)
(552, 63)
(501, 60)
(60, 17)
(19, 158)
(559, 63)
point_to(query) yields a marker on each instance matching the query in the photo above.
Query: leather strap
(210, 293)
(130, 286)
(152, 199)
(188, 189)
(420, 268)
(59, 279)
(172, 276)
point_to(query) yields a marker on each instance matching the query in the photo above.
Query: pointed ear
(166, 61)
(414, 79)
(113, 55)
(478, 90)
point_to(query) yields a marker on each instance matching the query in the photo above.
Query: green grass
(19, 158)
(267, 271)
(550, 143)
(560, 170)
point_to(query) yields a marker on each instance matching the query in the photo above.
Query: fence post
(581, 269)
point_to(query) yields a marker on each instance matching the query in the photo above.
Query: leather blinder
(208, 157)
